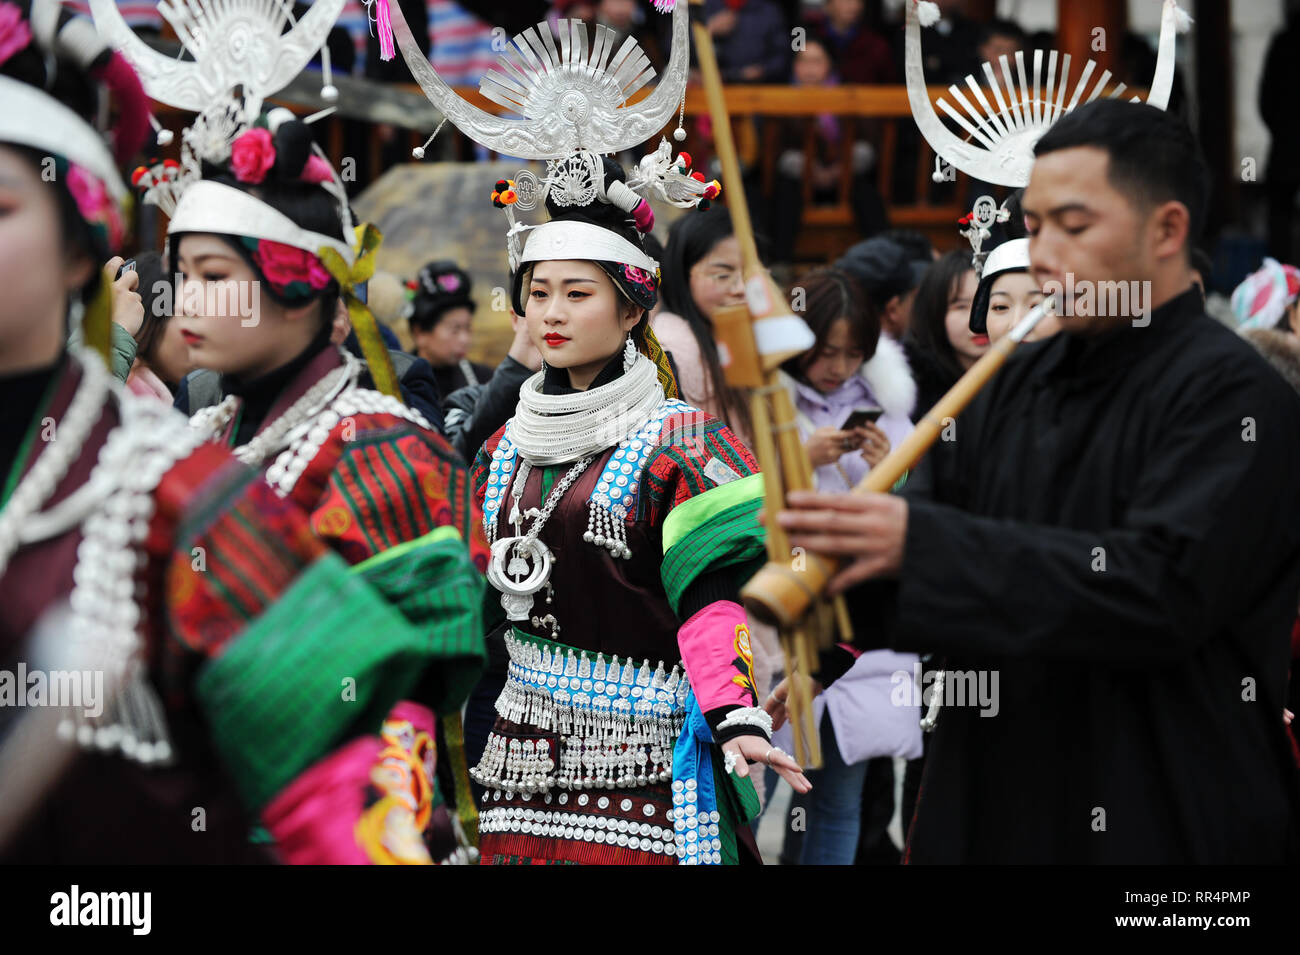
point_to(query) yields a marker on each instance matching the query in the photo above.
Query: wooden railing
(878, 114)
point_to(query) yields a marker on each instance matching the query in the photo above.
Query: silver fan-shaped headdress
(573, 100)
(1001, 133)
(999, 147)
(242, 55)
(233, 42)
(571, 96)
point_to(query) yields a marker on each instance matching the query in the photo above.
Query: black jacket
(474, 413)
(1115, 532)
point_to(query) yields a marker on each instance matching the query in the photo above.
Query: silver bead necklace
(51, 466)
(278, 434)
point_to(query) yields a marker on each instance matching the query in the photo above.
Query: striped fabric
(460, 44)
(136, 13)
(388, 485)
(237, 548)
(706, 526)
(356, 20)
(299, 679)
(718, 530)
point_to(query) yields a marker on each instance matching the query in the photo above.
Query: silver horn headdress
(999, 143)
(571, 96)
(1006, 119)
(233, 42)
(241, 55)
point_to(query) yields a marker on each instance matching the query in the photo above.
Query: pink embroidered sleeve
(715, 649)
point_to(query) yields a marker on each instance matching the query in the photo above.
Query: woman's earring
(77, 310)
(629, 354)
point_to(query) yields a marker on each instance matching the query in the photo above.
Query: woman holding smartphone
(852, 390)
(853, 394)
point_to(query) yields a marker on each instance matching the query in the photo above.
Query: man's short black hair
(1153, 155)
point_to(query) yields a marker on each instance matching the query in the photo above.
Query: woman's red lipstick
(554, 340)
(191, 338)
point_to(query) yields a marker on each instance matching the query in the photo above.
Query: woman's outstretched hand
(755, 749)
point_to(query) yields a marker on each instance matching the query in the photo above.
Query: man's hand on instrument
(755, 749)
(868, 529)
(777, 703)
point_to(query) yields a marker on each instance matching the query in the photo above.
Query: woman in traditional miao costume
(260, 238)
(382, 488)
(129, 548)
(623, 523)
(623, 520)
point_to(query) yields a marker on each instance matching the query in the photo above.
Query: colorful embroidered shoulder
(379, 481)
(394, 500)
(275, 616)
(704, 488)
(237, 547)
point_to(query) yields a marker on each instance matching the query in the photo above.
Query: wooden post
(1077, 33)
(1215, 124)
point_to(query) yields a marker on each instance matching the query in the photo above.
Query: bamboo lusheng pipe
(782, 591)
(776, 437)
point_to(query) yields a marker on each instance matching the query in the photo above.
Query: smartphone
(127, 266)
(860, 416)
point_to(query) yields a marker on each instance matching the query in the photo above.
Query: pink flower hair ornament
(252, 155)
(96, 206)
(291, 272)
(15, 34)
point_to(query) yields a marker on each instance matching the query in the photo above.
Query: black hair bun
(293, 142)
(439, 287)
(445, 282)
(64, 71)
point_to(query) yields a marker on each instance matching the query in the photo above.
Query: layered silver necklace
(212, 422)
(555, 429)
(101, 630)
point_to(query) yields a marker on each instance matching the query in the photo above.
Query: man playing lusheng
(1115, 530)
